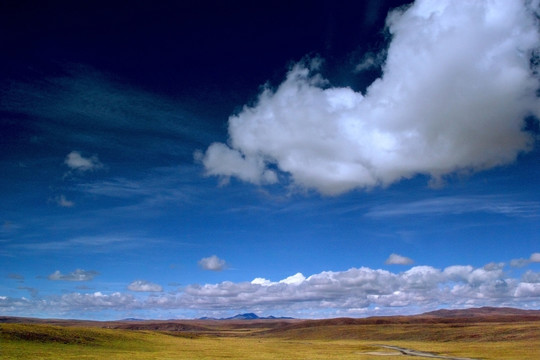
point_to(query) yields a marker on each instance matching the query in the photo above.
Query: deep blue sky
(306, 159)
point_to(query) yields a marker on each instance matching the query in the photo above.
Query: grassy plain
(489, 340)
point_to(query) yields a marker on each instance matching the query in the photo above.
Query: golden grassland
(507, 340)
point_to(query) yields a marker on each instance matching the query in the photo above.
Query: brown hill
(482, 312)
(490, 324)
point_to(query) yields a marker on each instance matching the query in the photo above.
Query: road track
(412, 352)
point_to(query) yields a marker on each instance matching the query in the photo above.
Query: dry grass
(516, 341)
(485, 332)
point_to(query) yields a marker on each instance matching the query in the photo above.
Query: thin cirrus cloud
(456, 87)
(77, 275)
(90, 244)
(395, 259)
(457, 205)
(212, 263)
(144, 286)
(90, 109)
(330, 293)
(169, 183)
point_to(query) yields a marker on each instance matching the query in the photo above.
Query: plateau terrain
(482, 333)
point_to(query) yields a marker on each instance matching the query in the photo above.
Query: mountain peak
(247, 316)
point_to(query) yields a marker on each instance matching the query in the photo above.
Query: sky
(311, 159)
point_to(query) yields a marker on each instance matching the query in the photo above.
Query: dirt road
(412, 352)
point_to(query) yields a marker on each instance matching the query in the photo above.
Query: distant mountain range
(248, 316)
(443, 313)
(483, 314)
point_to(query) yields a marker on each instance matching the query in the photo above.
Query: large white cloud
(457, 84)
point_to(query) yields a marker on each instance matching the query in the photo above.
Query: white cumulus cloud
(261, 281)
(144, 286)
(295, 279)
(395, 259)
(535, 257)
(212, 263)
(364, 288)
(457, 84)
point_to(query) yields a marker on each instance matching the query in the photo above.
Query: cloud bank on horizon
(457, 83)
(353, 292)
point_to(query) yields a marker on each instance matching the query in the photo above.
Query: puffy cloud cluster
(354, 291)
(458, 82)
(363, 288)
(77, 275)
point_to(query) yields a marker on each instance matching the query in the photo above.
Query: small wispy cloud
(14, 276)
(166, 182)
(62, 201)
(8, 228)
(212, 263)
(77, 275)
(522, 262)
(33, 291)
(395, 259)
(371, 61)
(83, 287)
(76, 162)
(144, 286)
